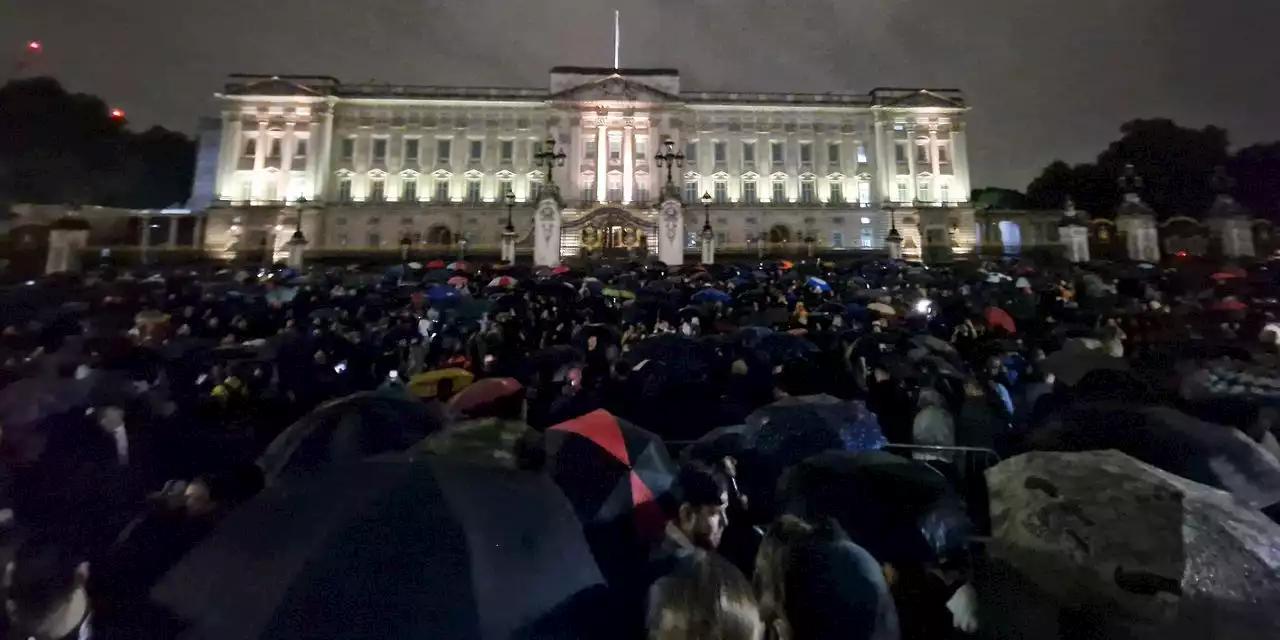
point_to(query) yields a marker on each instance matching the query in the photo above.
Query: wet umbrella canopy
(795, 428)
(392, 549)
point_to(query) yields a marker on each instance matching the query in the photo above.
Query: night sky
(1047, 79)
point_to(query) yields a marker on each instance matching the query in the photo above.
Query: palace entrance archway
(610, 233)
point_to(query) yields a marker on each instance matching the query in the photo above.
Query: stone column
(145, 241)
(959, 162)
(230, 152)
(287, 144)
(323, 150)
(708, 247)
(546, 229)
(628, 163)
(172, 241)
(935, 168)
(913, 191)
(260, 159)
(671, 228)
(1075, 242)
(602, 161)
(884, 166)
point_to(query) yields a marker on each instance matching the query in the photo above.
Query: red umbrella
(458, 281)
(561, 270)
(477, 398)
(503, 282)
(997, 317)
(458, 266)
(1229, 304)
(611, 469)
(435, 264)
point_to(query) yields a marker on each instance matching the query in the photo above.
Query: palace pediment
(613, 88)
(278, 87)
(921, 99)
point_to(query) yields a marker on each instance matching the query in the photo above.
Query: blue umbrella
(711, 295)
(795, 428)
(817, 283)
(438, 293)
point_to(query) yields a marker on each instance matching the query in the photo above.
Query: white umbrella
(1150, 553)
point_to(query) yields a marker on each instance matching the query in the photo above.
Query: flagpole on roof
(616, 40)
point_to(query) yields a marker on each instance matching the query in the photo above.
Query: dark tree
(60, 147)
(999, 198)
(1256, 171)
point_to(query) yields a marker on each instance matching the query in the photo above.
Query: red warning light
(34, 45)
(117, 114)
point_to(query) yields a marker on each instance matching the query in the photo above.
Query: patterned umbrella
(795, 428)
(502, 282)
(611, 470)
(1150, 554)
(457, 281)
(561, 270)
(435, 548)
(458, 266)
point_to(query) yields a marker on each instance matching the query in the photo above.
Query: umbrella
(561, 270)
(438, 294)
(434, 548)
(611, 470)
(457, 281)
(427, 384)
(797, 427)
(502, 282)
(900, 510)
(436, 264)
(711, 295)
(1230, 304)
(480, 396)
(1071, 364)
(618, 293)
(32, 400)
(457, 266)
(999, 318)
(817, 283)
(881, 308)
(484, 441)
(348, 430)
(1228, 274)
(1166, 438)
(1153, 554)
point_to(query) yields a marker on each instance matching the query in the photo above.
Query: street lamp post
(406, 243)
(708, 237)
(894, 239)
(509, 233)
(549, 159)
(462, 247)
(669, 159)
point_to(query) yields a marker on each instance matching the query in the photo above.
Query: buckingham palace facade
(366, 168)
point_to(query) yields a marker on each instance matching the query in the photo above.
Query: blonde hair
(773, 560)
(705, 598)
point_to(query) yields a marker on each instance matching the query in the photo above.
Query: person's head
(706, 597)
(45, 589)
(703, 496)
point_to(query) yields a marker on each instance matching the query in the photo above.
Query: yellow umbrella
(426, 384)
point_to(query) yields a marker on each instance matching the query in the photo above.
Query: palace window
(508, 151)
(589, 189)
(504, 187)
(720, 191)
(273, 150)
(344, 190)
(776, 152)
(862, 154)
(864, 193)
(691, 152)
(377, 190)
(272, 191)
(641, 190)
(942, 153)
(691, 191)
(837, 193)
(722, 238)
(375, 240)
(922, 191)
(590, 149)
(837, 239)
(806, 152)
(944, 192)
(749, 152)
(535, 190)
(903, 195)
(473, 191)
(807, 192)
(642, 147)
(380, 150)
(442, 190)
(614, 187)
(719, 151)
(348, 149)
(409, 190)
(411, 150)
(444, 149)
(868, 240)
(477, 150)
(901, 150)
(833, 153)
(300, 148)
(922, 152)
(250, 147)
(615, 149)
(779, 191)
(749, 191)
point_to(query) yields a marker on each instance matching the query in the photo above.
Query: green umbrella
(486, 440)
(619, 293)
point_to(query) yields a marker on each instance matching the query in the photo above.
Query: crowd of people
(766, 450)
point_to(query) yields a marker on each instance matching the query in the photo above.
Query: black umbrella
(31, 400)
(348, 430)
(795, 428)
(900, 510)
(434, 548)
